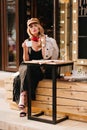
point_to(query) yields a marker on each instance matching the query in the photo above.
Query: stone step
(3, 76)
(1, 83)
(2, 93)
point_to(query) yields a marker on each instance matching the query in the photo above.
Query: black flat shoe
(22, 114)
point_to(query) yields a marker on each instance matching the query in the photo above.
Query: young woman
(37, 46)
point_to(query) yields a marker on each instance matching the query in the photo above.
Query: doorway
(48, 12)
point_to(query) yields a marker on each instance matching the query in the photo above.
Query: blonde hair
(36, 21)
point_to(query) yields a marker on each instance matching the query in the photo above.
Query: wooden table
(55, 64)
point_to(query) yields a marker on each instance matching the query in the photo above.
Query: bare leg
(23, 100)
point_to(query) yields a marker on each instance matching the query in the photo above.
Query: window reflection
(11, 32)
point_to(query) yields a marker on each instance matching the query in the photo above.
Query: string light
(64, 1)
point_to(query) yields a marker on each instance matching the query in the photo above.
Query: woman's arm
(25, 52)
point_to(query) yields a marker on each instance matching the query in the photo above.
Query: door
(48, 13)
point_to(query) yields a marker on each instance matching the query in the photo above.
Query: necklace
(35, 39)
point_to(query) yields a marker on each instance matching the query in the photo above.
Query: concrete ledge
(2, 83)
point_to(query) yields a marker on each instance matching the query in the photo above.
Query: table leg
(54, 93)
(29, 91)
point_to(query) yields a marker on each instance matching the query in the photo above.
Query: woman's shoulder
(49, 38)
(28, 43)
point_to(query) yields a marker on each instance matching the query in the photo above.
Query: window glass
(11, 33)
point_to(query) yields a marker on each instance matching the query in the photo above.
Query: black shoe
(22, 114)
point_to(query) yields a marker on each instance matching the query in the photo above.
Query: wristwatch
(43, 45)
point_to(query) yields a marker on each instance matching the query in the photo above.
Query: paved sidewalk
(4, 74)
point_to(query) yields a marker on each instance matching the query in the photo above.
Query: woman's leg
(23, 93)
(22, 74)
(23, 100)
(35, 76)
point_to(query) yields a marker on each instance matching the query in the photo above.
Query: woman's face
(34, 29)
